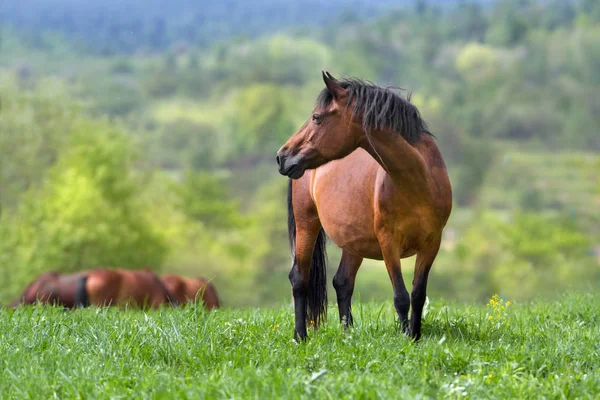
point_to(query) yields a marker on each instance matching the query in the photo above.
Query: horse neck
(403, 162)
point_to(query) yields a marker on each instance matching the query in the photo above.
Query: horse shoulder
(441, 186)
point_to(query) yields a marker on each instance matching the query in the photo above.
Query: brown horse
(120, 287)
(366, 171)
(54, 288)
(186, 289)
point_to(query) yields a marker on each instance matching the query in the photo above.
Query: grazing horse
(54, 288)
(119, 287)
(365, 171)
(186, 289)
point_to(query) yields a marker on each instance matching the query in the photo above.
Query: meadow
(547, 349)
(135, 134)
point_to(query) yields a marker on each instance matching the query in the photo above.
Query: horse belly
(343, 193)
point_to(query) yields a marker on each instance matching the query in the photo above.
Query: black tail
(317, 284)
(82, 299)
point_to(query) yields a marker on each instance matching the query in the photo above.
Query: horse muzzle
(290, 166)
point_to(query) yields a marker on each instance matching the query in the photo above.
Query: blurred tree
(34, 128)
(193, 62)
(123, 66)
(420, 7)
(270, 249)
(476, 160)
(558, 14)
(86, 214)
(470, 22)
(116, 98)
(160, 83)
(280, 59)
(589, 9)
(259, 119)
(185, 144)
(477, 62)
(530, 256)
(204, 197)
(489, 78)
(508, 22)
(543, 241)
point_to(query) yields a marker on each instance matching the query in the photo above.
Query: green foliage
(509, 22)
(34, 129)
(161, 83)
(86, 213)
(106, 27)
(205, 193)
(204, 198)
(117, 98)
(268, 238)
(259, 119)
(190, 145)
(280, 59)
(563, 182)
(589, 11)
(477, 62)
(529, 256)
(480, 154)
(543, 349)
(542, 242)
(246, 254)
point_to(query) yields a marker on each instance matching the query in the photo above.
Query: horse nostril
(278, 161)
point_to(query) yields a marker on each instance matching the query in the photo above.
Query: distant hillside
(117, 26)
(110, 26)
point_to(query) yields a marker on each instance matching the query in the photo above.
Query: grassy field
(534, 350)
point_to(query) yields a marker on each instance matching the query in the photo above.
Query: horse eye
(316, 117)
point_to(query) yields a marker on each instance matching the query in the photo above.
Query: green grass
(534, 350)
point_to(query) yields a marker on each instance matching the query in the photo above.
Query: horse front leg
(343, 282)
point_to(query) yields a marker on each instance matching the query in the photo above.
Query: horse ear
(334, 86)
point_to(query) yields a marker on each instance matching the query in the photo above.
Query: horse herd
(365, 171)
(141, 288)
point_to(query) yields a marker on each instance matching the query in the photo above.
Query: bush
(86, 214)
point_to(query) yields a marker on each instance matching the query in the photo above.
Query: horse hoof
(298, 337)
(415, 336)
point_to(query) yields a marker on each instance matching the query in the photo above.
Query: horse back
(144, 287)
(176, 286)
(139, 288)
(208, 292)
(104, 287)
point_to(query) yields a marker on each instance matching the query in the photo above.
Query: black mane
(381, 107)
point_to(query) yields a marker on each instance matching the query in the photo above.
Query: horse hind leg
(300, 274)
(309, 268)
(343, 282)
(423, 265)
